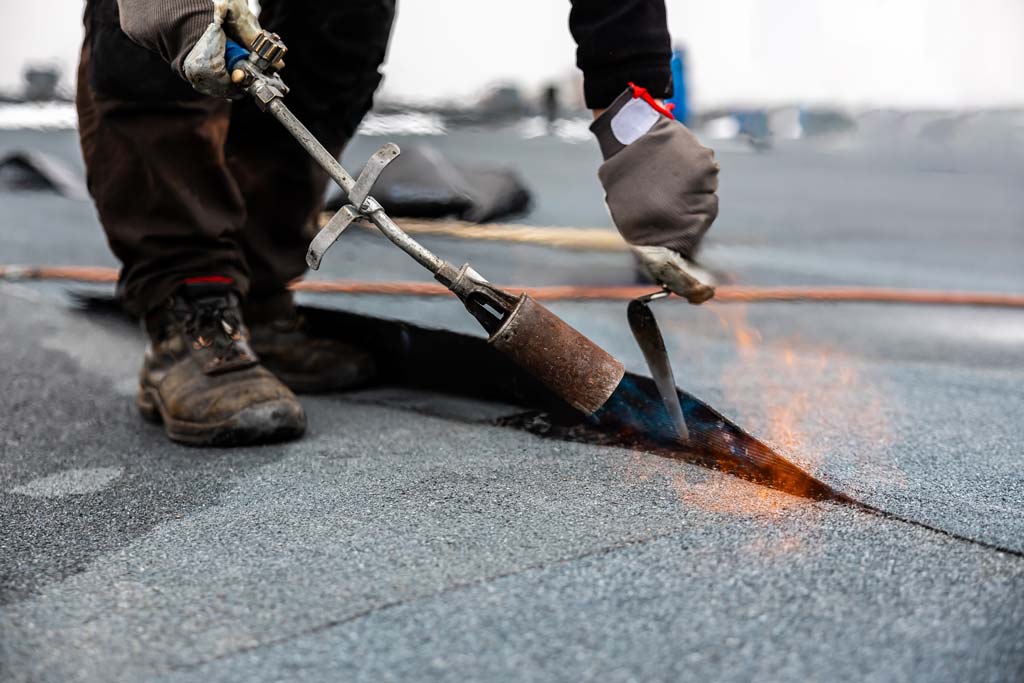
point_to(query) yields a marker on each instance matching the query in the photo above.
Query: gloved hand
(660, 185)
(190, 36)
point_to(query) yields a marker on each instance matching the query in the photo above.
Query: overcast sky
(910, 53)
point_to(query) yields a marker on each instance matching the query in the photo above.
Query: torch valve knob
(269, 50)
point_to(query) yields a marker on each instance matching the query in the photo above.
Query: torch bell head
(573, 367)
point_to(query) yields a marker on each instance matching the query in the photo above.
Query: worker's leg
(335, 48)
(172, 212)
(154, 158)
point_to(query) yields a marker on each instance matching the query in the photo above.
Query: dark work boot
(307, 363)
(203, 381)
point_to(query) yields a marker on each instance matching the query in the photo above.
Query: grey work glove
(660, 185)
(190, 36)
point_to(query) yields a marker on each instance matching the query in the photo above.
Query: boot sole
(268, 422)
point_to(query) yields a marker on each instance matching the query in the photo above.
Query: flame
(801, 398)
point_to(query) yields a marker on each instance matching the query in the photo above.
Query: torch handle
(279, 110)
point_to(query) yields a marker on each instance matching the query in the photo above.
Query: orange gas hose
(724, 294)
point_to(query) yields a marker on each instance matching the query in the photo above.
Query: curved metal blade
(375, 165)
(648, 336)
(329, 234)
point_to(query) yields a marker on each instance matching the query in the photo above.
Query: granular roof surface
(407, 537)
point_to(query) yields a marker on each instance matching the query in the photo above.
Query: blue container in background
(682, 110)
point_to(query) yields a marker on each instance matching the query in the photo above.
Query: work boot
(202, 380)
(306, 362)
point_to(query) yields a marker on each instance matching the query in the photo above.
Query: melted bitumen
(635, 417)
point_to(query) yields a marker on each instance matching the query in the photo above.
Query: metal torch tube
(327, 161)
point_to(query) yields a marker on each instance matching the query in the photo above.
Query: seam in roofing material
(724, 294)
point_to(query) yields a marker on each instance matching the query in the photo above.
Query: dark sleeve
(171, 28)
(619, 41)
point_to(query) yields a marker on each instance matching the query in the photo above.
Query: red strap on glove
(641, 93)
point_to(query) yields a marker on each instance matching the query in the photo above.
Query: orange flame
(801, 398)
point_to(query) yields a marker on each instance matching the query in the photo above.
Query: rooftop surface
(407, 537)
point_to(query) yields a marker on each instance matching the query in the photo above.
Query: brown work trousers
(191, 186)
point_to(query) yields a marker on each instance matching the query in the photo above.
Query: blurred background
(855, 53)
(861, 141)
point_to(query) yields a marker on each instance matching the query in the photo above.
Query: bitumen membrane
(407, 537)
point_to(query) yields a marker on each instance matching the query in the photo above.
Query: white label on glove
(633, 121)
